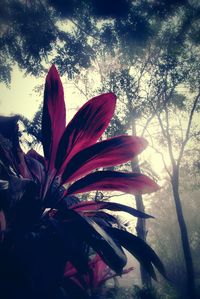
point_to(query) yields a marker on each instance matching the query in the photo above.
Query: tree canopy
(32, 32)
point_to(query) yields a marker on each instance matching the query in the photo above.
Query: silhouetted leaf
(134, 183)
(86, 229)
(85, 128)
(54, 115)
(139, 249)
(109, 152)
(112, 206)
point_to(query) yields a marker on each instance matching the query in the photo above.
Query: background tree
(163, 207)
(57, 24)
(158, 38)
(172, 72)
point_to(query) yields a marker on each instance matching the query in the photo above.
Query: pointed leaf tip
(54, 115)
(86, 127)
(53, 71)
(112, 206)
(133, 183)
(110, 152)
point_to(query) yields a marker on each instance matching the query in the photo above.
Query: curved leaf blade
(35, 168)
(34, 155)
(110, 152)
(112, 206)
(97, 238)
(85, 128)
(140, 250)
(54, 115)
(133, 183)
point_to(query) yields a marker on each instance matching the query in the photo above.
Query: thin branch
(169, 141)
(150, 135)
(166, 134)
(181, 127)
(147, 123)
(86, 32)
(160, 153)
(163, 159)
(80, 89)
(188, 128)
(118, 195)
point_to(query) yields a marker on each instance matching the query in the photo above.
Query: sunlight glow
(23, 98)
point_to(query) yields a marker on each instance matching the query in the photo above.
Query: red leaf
(112, 206)
(110, 152)
(85, 128)
(134, 183)
(53, 118)
(36, 169)
(70, 270)
(33, 154)
(22, 166)
(100, 273)
(139, 249)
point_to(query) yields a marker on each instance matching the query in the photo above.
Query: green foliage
(73, 43)
(146, 293)
(33, 127)
(135, 292)
(19, 42)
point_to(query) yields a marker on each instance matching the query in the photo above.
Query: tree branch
(163, 159)
(188, 128)
(169, 141)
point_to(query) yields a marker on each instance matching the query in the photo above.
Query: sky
(22, 98)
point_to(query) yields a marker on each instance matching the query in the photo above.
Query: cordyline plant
(48, 236)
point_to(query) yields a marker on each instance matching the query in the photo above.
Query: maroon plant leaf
(139, 249)
(100, 273)
(84, 228)
(100, 270)
(54, 115)
(75, 251)
(85, 128)
(70, 270)
(110, 152)
(133, 183)
(112, 206)
(36, 169)
(22, 166)
(33, 154)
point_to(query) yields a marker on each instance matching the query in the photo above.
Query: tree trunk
(184, 236)
(142, 233)
(141, 223)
